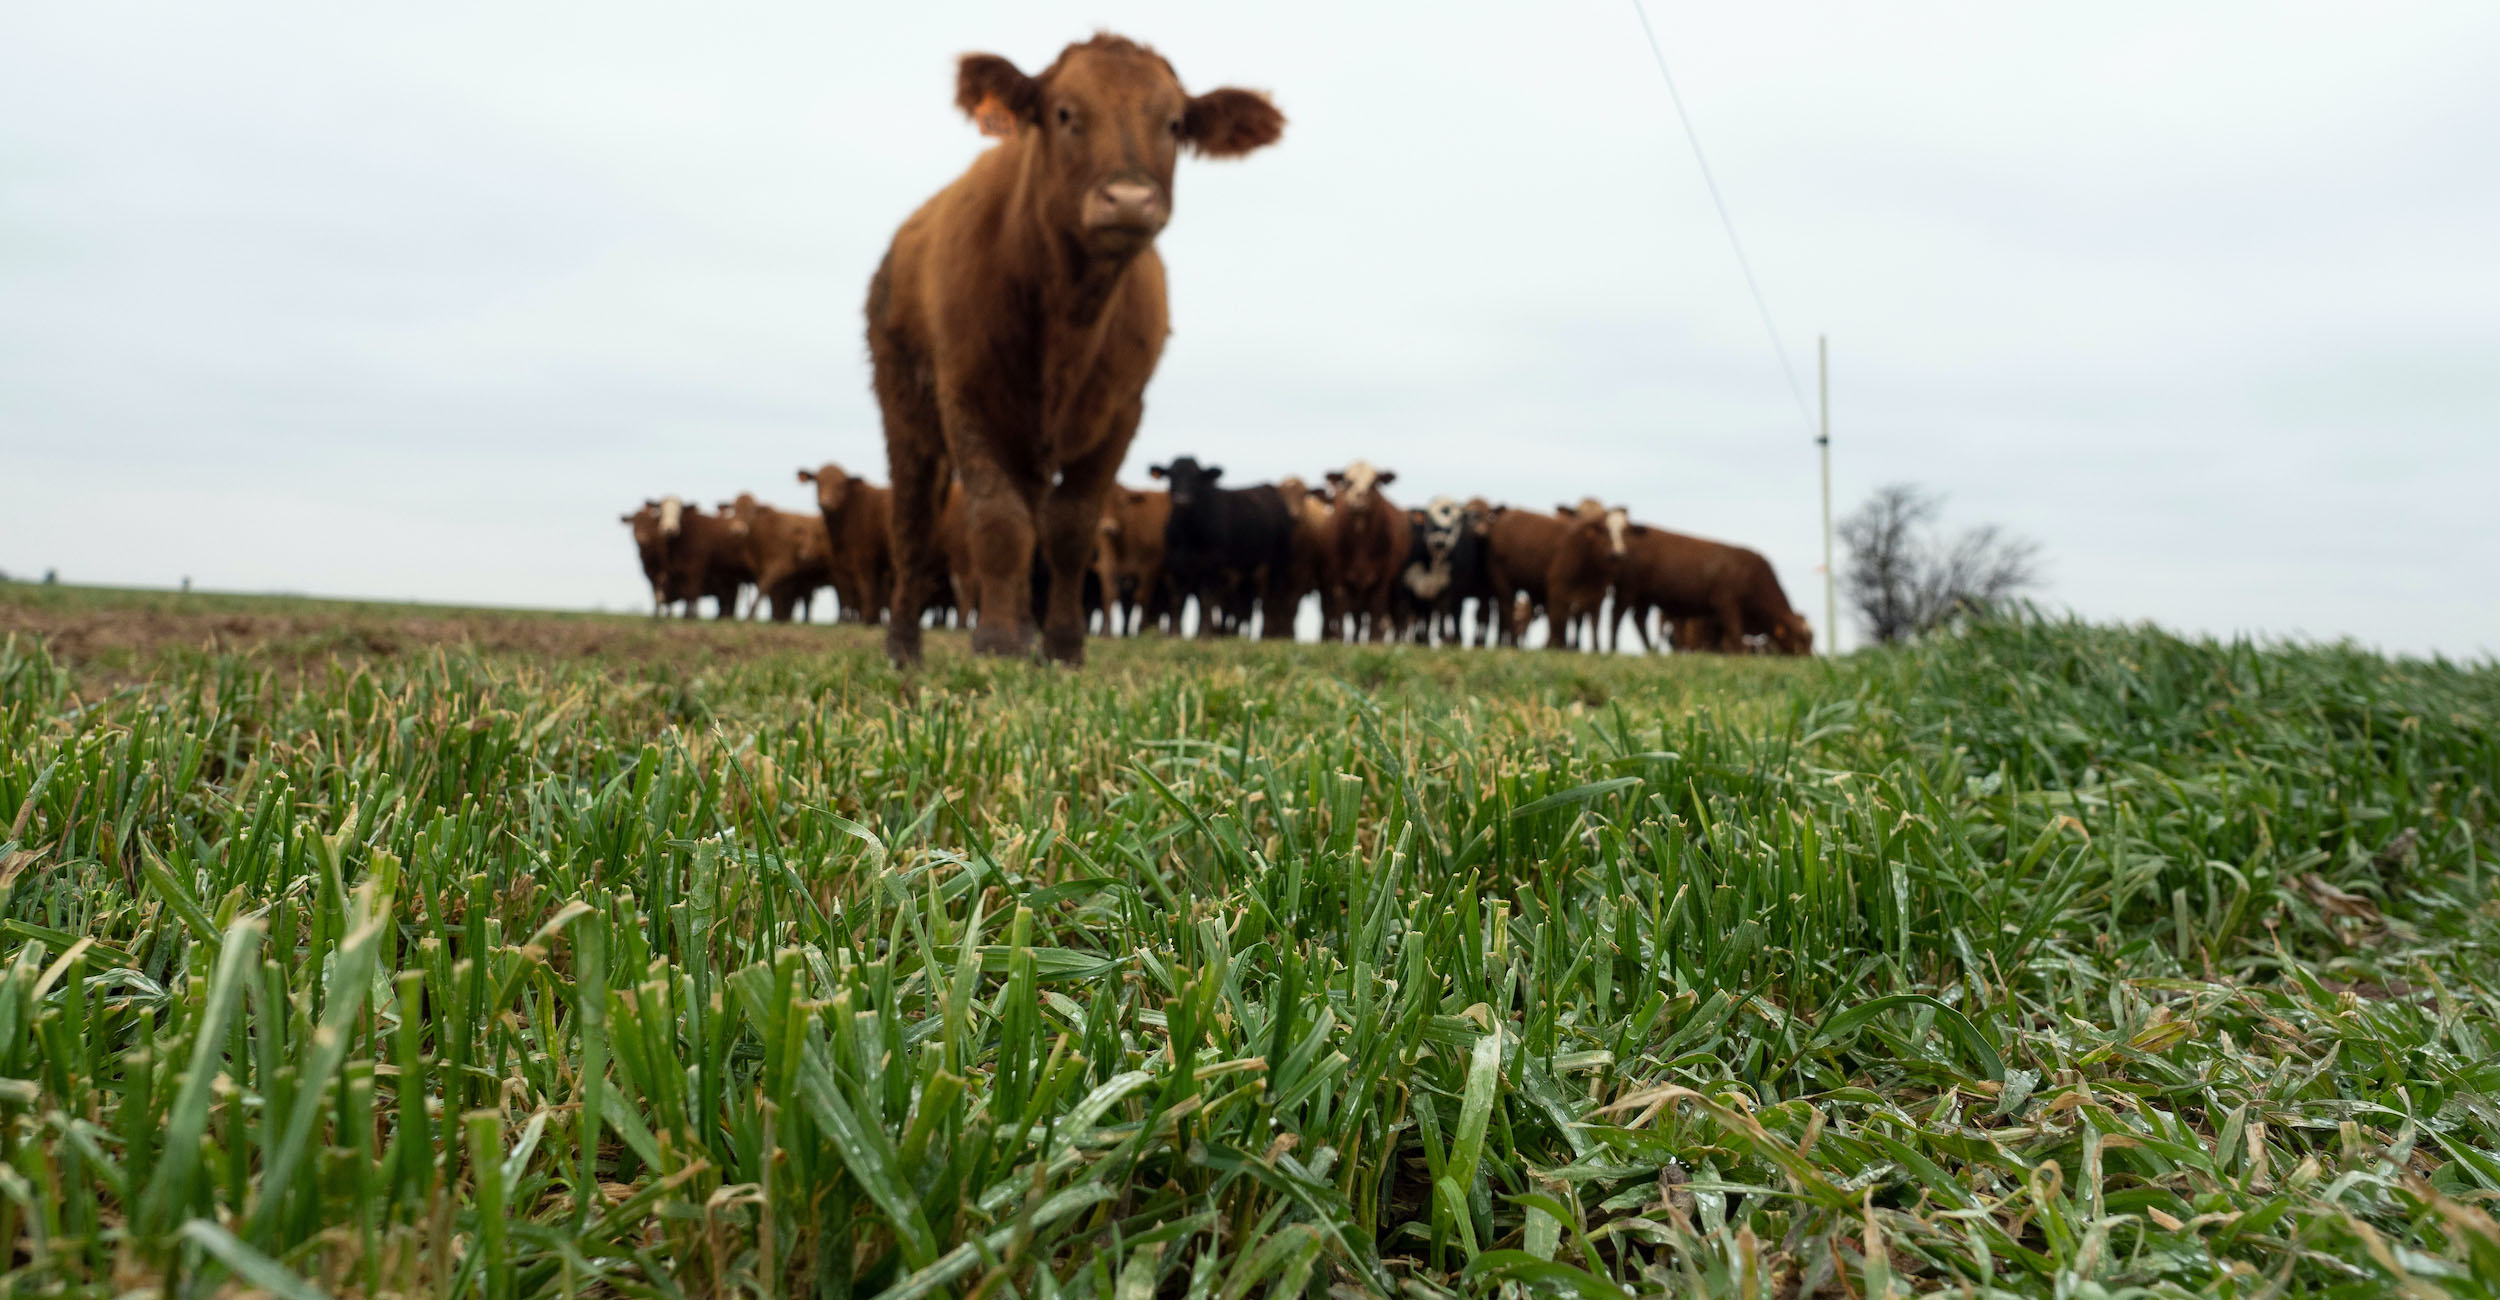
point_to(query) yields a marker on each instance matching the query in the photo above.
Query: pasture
(386, 950)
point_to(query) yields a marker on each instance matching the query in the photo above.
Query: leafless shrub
(1903, 579)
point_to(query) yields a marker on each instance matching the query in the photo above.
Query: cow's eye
(1174, 126)
(1065, 116)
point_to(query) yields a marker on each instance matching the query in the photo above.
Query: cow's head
(1617, 522)
(1791, 634)
(833, 487)
(646, 524)
(1358, 485)
(1444, 519)
(1191, 482)
(1107, 120)
(672, 516)
(740, 514)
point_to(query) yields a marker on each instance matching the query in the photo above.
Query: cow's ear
(1638, 530)
(1229, 122)
(807, 476)
(995, 95)
(1566, 509)
(1336, 478)
(1387, 476)
(1155, 471)
(1214, 472)
(624, 519)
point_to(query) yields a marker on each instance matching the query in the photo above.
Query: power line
(1795, 389)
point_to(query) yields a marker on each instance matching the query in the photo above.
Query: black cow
(1444, 568)
(1227, 547)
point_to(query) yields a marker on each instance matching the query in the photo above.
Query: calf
(1129, 555)
(789, 553)
(1712, 595)
(1368, 541)
(857, 527)
(1580, 575)
(1227, 547)
(1018, 315)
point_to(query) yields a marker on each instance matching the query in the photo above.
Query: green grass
(2046, 960)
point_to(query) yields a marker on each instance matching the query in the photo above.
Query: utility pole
(1831, 579)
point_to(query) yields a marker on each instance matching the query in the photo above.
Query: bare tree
(1904, 580)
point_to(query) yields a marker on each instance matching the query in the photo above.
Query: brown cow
(857, 527)
(1706, 590)
(1581, 573)
(790, 553)
(707, 560)
(1307, 569)
(1520, 548)
(1129, 556)
(656, 525)
(688, 555)
(1018, 315)
(1368, 540)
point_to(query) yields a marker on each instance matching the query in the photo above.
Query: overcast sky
(412, 304)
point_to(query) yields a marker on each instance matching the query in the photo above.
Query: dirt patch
(106, 633)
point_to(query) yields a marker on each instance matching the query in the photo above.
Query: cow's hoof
(902, 644)
(1064, 645)
(1006, 640)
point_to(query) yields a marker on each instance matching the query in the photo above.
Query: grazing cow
(1582, 572)
(1307, 566)
(789, 553)
(1712, 595)
(856, 526)
(1227, 547)
(1431, 580)
(1368, 540)
(1130, 558)
(1018, 315)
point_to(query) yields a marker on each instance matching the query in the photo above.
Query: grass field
(386, 950)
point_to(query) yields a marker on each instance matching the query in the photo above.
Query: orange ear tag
(992, 117)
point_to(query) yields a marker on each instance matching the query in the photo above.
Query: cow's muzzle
(1126, 205)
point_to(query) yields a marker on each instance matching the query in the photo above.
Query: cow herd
(1012, 328)
(1247, 561)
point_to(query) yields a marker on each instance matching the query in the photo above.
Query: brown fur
(1709, 590)
(858, 527)
(652, 549)
(1309, 570)
(700, 559)
(954, 554)
(1581, 573)
(790, 553)
(1368, 539)
(1520, 548)
(1129, 557)
(1017, 317)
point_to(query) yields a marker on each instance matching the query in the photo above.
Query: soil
(101, 628)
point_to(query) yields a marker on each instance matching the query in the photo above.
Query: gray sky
(413, 304)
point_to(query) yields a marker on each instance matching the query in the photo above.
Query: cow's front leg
(1071, 520)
